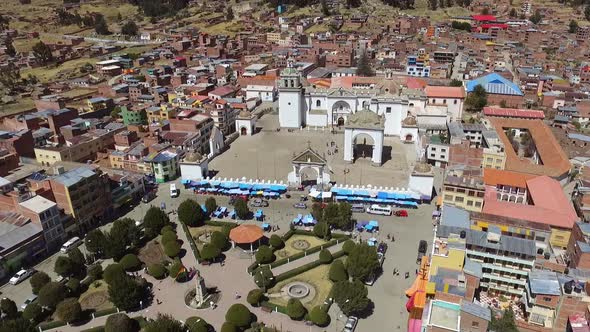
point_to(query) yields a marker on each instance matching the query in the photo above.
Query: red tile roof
(445, 92)
(551, 206)
(513, 113)
(554, 162)
(484, 17)
(494, 177)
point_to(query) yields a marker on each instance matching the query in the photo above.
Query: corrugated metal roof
(473, 268)
(495, 83)
(544, 282)
(453, 216)
(506, 243)
(476, 310)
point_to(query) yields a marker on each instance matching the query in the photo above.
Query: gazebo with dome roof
(194, 166)
(246, 123)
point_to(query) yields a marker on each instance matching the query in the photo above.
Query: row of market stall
(369, 195)
(234, 187)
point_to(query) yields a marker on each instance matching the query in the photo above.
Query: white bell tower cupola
(291, 100)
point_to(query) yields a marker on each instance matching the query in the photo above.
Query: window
(455, 101)
(432, 155)
(477, 204)
(459, 199)
(318, 103)
(443, 150)
(444, 101)
(462, 191)
(469, 203)
(448, 197)
(474, 324)
(471, 193)
(388, 110)
(434, 101)
(545, 298)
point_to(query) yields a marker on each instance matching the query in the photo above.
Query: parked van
(379, 209)
(357, 208)
(70, 244)
(173, 190)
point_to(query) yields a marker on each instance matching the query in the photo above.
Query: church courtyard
(267, 155)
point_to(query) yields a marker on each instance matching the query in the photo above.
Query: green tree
(126, 292)
(10, 76)
(95, 271)
(276, 242)
(319, 316)
(172, 249)
(100, 25)
(573, 27)
(228, 327)
(8, 308)
(587, 13)
(64, 266)
(239, 316)
(263, 277)
(345, 216)
(95, 242)
(157, 271)
(38, 280)
(326, 256)
(362, 261)
(255, 296)
(295, 309)
(125, 231)
(229, 15)
(264, 255)
(112, 272)
(33, 312)
(4, 22)
(129, 29)
(154, 220)
(505, 324)
(317, 212)
(351, 297)
(338, 271)
(477, 99)
(513, 13)
(190, 213)
(169, 236)
(73, 286)
(69, 310)
(19, 324)
(321, 230)
(120, 322)
(175, 268)
(210, 252)
(325, 9)
(348, 246)
(363, 67)
(51, 294)
(332, 214)
(42, 52)
(130, 262)
(242, 210)
(536, 18)
(115, 248)
(196, 324)
(164, 323)
(210, 204)
(456, 83)
(219, 240)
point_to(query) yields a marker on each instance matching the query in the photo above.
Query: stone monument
(200, 290)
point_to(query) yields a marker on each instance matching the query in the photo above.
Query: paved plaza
(267, 155)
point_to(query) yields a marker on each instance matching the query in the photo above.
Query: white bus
(379, 209)
(70, 244)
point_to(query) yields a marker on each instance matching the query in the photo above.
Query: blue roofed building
(499, 89)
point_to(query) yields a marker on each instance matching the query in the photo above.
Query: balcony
(508, 259)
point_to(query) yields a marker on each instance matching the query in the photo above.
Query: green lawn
(96, 297)
(196, 232)
(289, 250)
(68, 69)
(20, 106)
(317, 277)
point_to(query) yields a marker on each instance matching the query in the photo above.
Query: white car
(28, 301)
(20, 276)
(350, 324)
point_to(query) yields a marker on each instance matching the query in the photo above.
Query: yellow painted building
(157, 114)
(493, 159)
(454, 260)
(463, 192)
(560, 237)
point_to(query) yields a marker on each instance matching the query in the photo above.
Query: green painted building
(133, 117)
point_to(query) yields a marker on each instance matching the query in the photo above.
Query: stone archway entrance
(363, 137)
(309, 167)
(243, 131)
(340, 111)
(363, 146)
(340, 121)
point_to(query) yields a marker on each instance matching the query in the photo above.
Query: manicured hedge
(191, 241)
(303, 268)
(51, 325)
(105, 312)
(273, 306)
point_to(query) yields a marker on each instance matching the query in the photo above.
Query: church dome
(245, 114)
(422, 168)
(365, 119)
(409, 121)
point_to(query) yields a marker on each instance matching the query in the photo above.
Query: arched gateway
(309, 159)
(363, 124)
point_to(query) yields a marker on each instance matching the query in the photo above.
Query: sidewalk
(302, 261)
